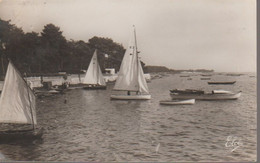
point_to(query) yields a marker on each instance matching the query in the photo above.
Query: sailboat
(131, 76)
(18, 106)
(94, 78)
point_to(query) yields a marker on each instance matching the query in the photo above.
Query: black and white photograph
(128, 80)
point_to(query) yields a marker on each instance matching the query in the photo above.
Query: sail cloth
(131, 76)
(94, 74)
(17, 101)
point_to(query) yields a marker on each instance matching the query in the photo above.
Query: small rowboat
(223, 83)
(178, 102)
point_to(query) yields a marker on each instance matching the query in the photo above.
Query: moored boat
(178, 102)
(206, 75)
(222, 82)
(205, 78)
(201, 95)
(184, 75)
(130, 97)
(94, 87)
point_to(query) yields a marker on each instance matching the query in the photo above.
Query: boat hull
(20, 135)
(94, 87)
(210, 96)
(221, 83)
(179, 102)
(130, 97)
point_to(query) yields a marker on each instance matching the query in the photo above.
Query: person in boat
(128, 93)
(79, 77)
(41, 79)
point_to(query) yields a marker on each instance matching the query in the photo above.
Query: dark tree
(55, 46)
(50, 52)
(110, 53)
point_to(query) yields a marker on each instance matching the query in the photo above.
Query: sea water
(91, 127)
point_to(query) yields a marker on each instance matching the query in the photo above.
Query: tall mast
(137, 59)
(97, 65)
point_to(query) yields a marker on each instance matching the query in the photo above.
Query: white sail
(17, 102)
(131, 76)
(142, 81)
(94, 74)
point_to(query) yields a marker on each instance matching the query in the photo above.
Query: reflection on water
(91, 127)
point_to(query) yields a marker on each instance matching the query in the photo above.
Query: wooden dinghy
(222, 82)
(178, 102)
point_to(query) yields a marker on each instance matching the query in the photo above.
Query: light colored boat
(18, 106)
(214, 95)
(94, 78)
(131, 80)
(178, 102)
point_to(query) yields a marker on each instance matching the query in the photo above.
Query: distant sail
(131, 76)
(94, 74)
(17, 101)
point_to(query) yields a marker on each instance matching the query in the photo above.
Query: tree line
(50, 52)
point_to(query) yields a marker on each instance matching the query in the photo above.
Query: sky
(178, 34)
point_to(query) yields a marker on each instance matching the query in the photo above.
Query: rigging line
(30, 104)
(137, 60)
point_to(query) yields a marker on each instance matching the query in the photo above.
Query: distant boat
(222, 82)
(234, 74)
(184, 75)
(131, 78)
(178, 102)
(201, 95)
(206, 75)
(205, 78)
(18, 106)
(94, 78)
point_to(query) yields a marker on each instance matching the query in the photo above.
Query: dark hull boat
(20, 135)
(205, 78)
(201, 95)
(77, 86)
(94, 87)
(222, 83)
